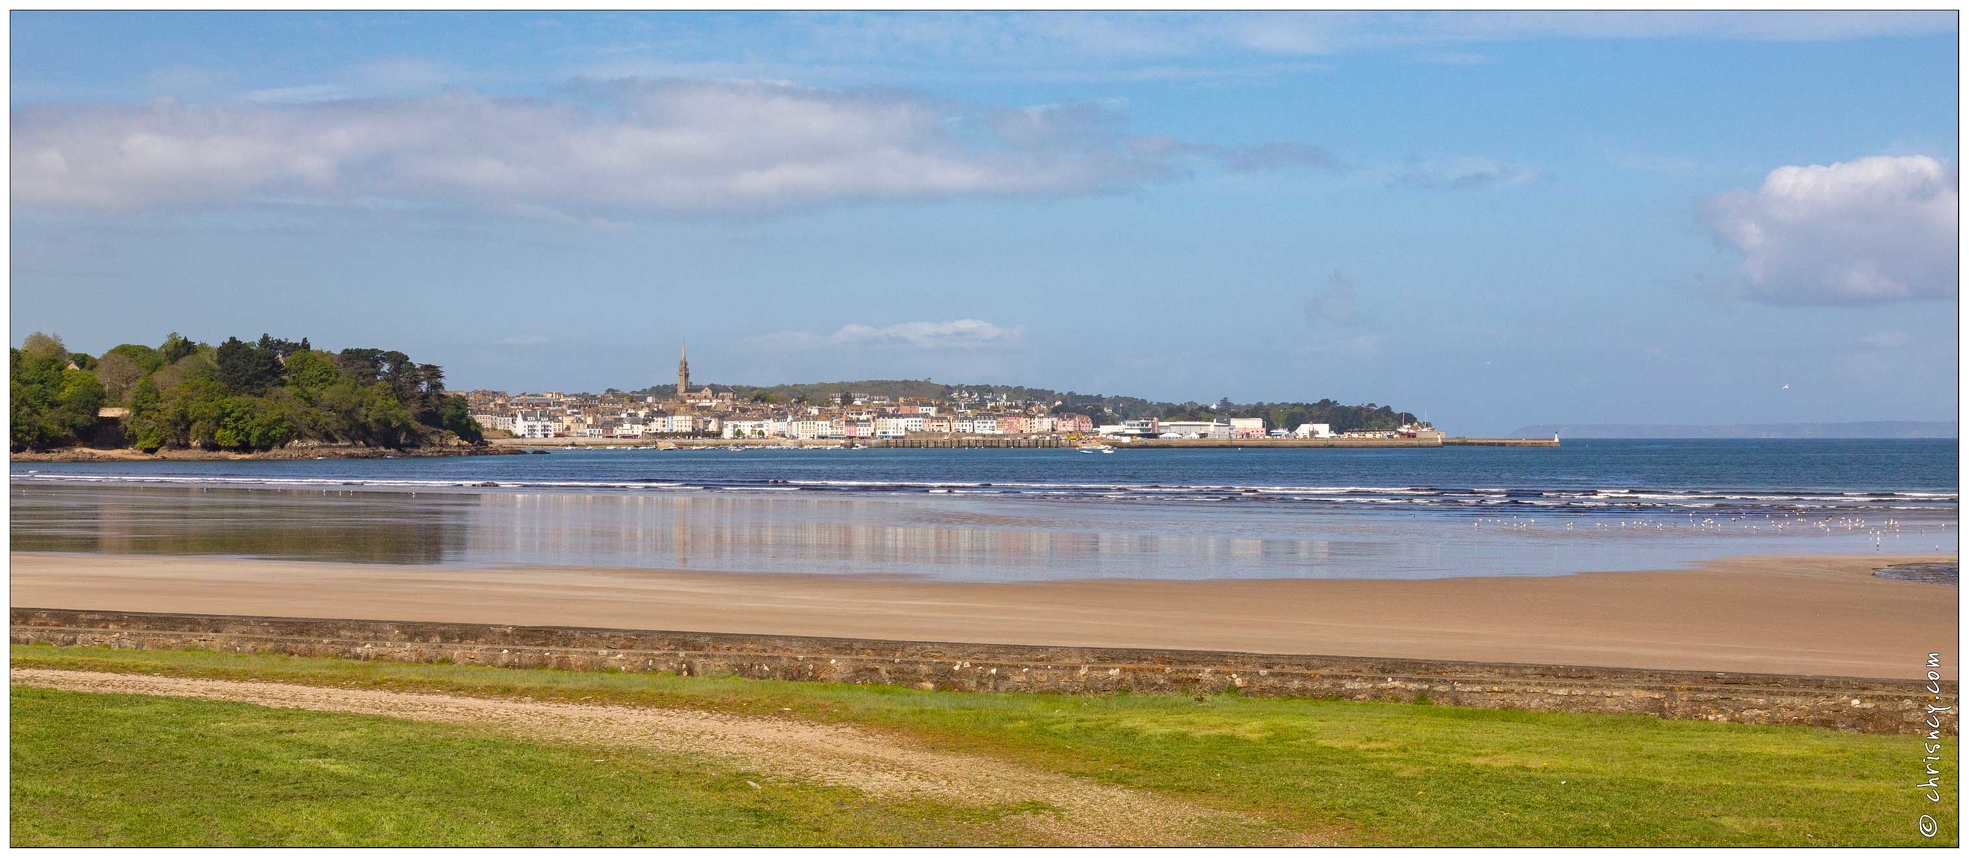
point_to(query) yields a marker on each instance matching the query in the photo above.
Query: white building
(1313, 430)
(742, 429)
(535, 426)
(1215, 429)
(897, 427)
(502, 422)
(1130, 428)
(811, 429)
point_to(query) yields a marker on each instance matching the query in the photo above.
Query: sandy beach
(1825, 615)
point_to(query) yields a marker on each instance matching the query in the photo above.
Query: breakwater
(1865, 705)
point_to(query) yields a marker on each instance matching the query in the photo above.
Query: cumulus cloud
(960, 334)
(1464, 174)
(1868, 231)
(620, 147)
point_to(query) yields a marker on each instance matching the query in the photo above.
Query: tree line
(237, 395)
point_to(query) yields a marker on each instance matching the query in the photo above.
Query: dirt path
(882, 766)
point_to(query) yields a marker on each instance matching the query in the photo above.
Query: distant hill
(1342, 418)
(1869, 429)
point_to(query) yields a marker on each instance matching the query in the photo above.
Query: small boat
(1096, 448)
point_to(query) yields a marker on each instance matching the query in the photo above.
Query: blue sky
(1495, 220)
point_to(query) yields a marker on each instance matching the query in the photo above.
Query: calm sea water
(998, 515)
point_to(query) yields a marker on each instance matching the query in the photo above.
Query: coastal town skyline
(708, 412)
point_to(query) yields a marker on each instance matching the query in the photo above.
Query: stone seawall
(1865, 705)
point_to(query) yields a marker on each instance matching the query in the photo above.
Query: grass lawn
(122, 769)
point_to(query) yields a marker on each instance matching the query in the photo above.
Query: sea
(1026, 514)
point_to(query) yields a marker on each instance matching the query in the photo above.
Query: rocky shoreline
(291, 452)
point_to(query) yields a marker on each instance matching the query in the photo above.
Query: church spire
(683, 370)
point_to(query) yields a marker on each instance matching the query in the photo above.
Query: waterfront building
(1247, 427)
(1133, 428)
(1217, 429)
(501, 422)
(535, 426)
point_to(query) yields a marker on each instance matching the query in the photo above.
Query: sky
(1491, 220)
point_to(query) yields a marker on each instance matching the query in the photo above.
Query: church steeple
(683, 371)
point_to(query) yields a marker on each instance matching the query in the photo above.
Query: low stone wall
(1876, 706)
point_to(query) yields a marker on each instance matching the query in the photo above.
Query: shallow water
(1001, 515)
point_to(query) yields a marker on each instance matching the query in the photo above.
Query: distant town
(732, 413)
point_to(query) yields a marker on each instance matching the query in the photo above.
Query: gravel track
(880, 765)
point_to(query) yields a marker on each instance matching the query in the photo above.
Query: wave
(1478, 500)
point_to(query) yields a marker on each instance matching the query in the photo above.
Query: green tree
(149, 430)
(80, 400)
(150, 359)
(309, 371)
(40, 345)
(176, 348)
(384, 421)
(455, 414)
(52, 405)
(245, 368)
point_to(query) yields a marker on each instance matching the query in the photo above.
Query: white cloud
(1464, 173)
(960, 334)
(620, 147)
(1868, 231)
(296, 94)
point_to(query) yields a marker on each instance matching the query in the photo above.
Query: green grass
(118, 769)
(1356, 772)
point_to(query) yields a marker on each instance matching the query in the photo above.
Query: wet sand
(1822, 615)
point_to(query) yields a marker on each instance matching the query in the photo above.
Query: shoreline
(1806, 616)
(85, 455)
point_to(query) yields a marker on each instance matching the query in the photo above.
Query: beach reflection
(996, 539)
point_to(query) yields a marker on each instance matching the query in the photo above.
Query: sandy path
(1820, 616)
(882, 766)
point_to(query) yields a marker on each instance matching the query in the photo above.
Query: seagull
(1786, 387)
